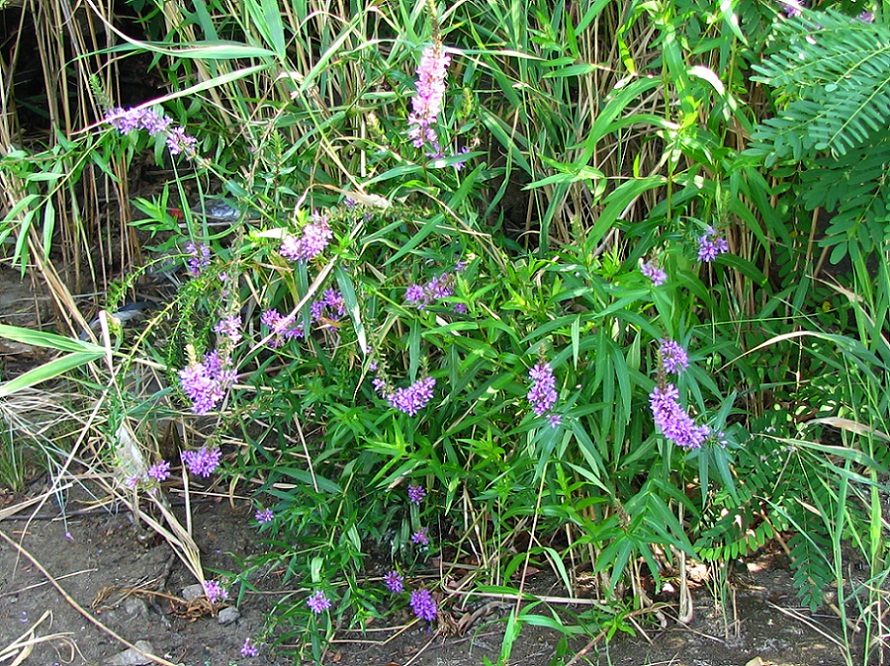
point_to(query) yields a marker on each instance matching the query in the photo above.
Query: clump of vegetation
(501, 287)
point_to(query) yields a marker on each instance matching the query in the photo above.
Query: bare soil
(132, 583)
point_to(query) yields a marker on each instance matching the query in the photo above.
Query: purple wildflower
(316, 236)
(230, 327)
(264, 516)
(394, 581)
(159, 471)
(215, 592)
(205, 382)
(132, 120)
(410, 399)
(673, 357)
(180, 142)
(423, 605)
(414, 295)
(318, 602)
(330, 306)
(282, 327)
(866, 17)
(421, 537)
(249, 649)
(199, 258)
(460, 308)
(793, 7)
(542, 394)
(203, 462)
(420, 296)
(416, 494)
(710, 246)
(555, 420)
(427, 103)
(654, 273)
(672, 419)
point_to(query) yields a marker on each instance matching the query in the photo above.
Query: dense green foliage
(579, 148)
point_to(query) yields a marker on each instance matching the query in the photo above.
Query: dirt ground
(132, 583)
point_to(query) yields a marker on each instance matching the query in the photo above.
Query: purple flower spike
(229, 327)
(421, 537)
(199, 258)
(674, 359)
(423, 605)
(710, 246)
(318, 602)
(315, 238)
(395, 582)
(542, 394)
(427, 103)
(654, 273)
(673, 421)
(410, 399)
(202, 463)
(416, 494)
(159, 471)
(264, 516)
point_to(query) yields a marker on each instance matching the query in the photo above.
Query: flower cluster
(668, 413)
(151, 480)
(249, 649)
(673, 357)
(410, 399)
(710, 246)
(654, 273)
(421, 537)
(793, 7)
(423, 605)
(215, 592)
(264, 516)
(159, 471)
(427, 103)
(202, 462)
(282, 327)
(315, 238)
(542, 395)
(394, 582)
(318, 602)
(131, 120)
(672, 419)
(422, 295)
(330, 306)
(416, 494)
(205, 382)
(199, 258)
(230, 327)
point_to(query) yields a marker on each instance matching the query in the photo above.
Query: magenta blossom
(318, 602)
(423, 605)
(427, 103)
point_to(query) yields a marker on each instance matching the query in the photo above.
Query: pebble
(192, 592)
(228, 615)
(131, 657)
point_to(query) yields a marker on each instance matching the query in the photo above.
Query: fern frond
(836, 73)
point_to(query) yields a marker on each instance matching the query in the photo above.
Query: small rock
(136, 608)
(131, 657)
(192, 591)
(228, 615)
